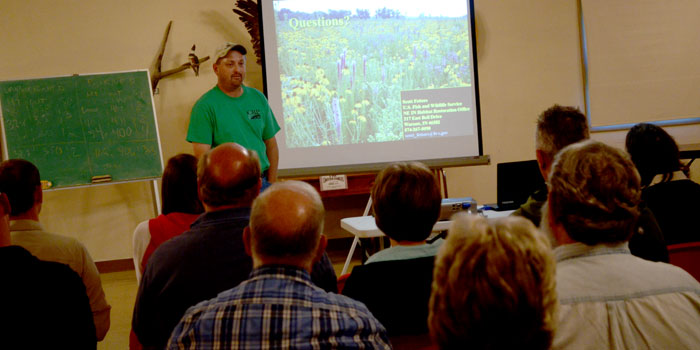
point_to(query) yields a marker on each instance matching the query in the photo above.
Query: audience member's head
(594, 194)
(228, 176)
(286, 225)
(558, 127)
(406, 201)
(653, 151)
(20, 180)
(493, 286)
(179, 186)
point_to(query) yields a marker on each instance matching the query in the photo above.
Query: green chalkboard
(77, 127)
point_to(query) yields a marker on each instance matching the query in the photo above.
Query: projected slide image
(369, 72)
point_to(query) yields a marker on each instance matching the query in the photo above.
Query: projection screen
(356, 85)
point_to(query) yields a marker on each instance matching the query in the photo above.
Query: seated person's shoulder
(671, 276)
(631, 274)
(421, 263)
(66, 307)
(341, 304)
(60, 274)
(71, 242)
(396, 292)
(52, 247)
(386, 277)
(27, 231)
(672, 191)
(180, 245)
(171, 252)
(31, 274)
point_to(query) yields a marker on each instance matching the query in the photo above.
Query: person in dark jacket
(666, 187)
(395, 283)
(45, 305)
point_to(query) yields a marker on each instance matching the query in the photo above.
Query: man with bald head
(210, 257)
(278, 307)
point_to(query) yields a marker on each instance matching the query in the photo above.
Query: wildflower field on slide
(342, 82)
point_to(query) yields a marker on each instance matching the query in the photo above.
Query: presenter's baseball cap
(229, 46)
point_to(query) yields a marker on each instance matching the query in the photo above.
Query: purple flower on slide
(337, 117)
(342, 58)
(383, 74)
(352, 77)
(340, 71)
(453, 57)
(464, 70)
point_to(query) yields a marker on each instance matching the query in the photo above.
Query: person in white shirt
(610, 299)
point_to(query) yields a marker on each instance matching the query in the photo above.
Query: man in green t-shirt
(232, 112)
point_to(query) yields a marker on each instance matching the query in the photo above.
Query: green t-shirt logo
(254, 114)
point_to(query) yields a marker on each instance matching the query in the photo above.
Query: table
(365, 227)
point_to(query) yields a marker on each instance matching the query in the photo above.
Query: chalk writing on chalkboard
(77, 127)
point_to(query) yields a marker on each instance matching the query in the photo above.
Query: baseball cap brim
(227, 47)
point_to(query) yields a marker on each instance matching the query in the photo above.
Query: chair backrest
(686, 256)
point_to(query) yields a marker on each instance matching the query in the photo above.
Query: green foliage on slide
(342, 78)
(79, 127)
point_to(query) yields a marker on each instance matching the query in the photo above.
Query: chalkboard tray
(83, 129)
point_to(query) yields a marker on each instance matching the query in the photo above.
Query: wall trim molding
(115, 265)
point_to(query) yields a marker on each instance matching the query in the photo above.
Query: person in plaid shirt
(279, 307)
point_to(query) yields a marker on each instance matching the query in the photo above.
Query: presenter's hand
(273, 156)
(200, 148)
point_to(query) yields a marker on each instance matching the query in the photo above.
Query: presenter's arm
(200, 148)
(273, 155)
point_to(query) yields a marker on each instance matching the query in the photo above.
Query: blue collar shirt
(279, 307)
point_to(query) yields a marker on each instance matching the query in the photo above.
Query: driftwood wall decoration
(193, 62)
(247, 11)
